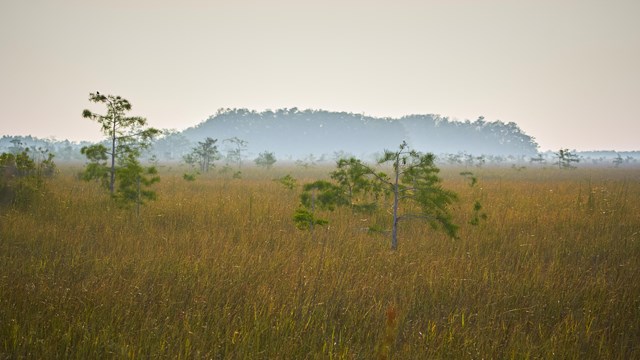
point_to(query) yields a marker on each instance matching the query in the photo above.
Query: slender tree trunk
(113, 157)
(138, 198)
(394, 229)
(313, 211)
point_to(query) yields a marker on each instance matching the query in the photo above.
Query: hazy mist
(566, 72)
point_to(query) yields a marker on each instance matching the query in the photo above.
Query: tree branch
(416, 216)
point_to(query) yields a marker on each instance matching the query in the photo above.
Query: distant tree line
(308, 137)
(292, 133)
(64, 150)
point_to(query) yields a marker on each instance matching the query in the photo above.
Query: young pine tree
(118, 161)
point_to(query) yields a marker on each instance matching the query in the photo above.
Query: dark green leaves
(288, 181)
(414, 183)
(306, 220)
(322, 194)
(133, 182)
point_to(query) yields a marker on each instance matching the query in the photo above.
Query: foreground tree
(415, 180)
(354, 187)
(358, 185)
(127, 138)
(134, 181)
(414, 183)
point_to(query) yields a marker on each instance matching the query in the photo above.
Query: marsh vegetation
(216, 268)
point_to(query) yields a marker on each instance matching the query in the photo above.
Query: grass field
(216, 269)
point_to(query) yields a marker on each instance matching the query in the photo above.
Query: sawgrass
(215, 268)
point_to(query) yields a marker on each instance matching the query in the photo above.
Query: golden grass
(216, 269)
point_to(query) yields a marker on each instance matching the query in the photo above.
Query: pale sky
(567, 72)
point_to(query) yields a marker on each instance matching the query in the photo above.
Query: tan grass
(216, 269)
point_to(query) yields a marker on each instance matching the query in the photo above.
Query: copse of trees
(265, 159)
(203, 154)
(23, 174)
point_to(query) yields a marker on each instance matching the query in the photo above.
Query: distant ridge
(294, 133)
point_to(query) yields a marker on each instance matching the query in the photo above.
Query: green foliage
(473, 180)
(305, 219)
(354, 187)
(266, 159)
(134, 181)
(22, 176)
(288, 181)
(322, 194)
(358, 186)
(477, 214)
(128, 137)
(203, 154)
(18, 165)
(319, 194)
(415, 183)
(97, 167)
(125, 133)
(189, 177)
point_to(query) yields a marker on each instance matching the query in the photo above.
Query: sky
(566, 71)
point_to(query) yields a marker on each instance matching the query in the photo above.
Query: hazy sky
(567, 72)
